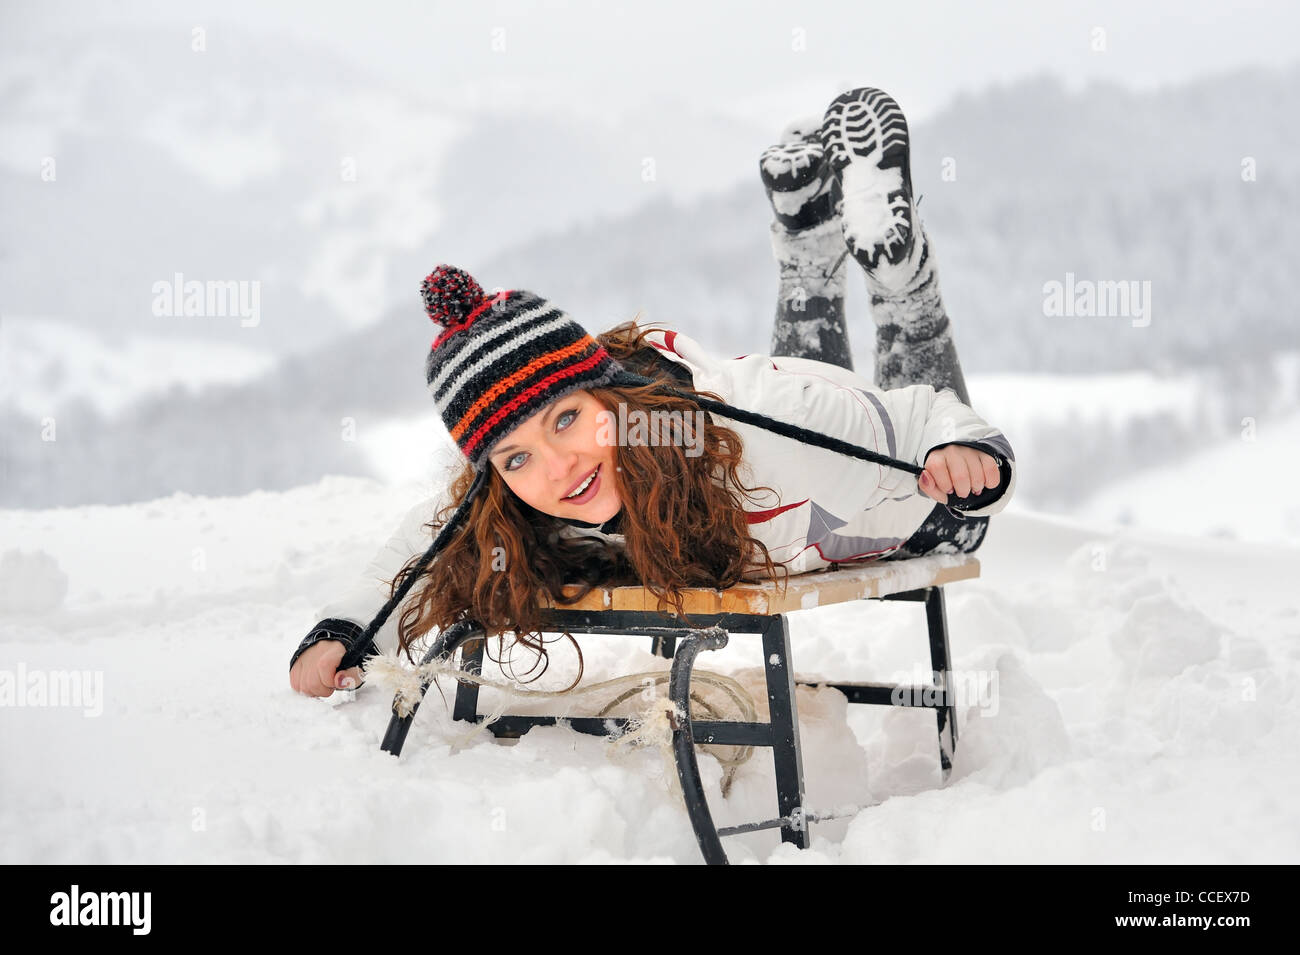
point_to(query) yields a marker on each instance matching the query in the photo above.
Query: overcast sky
(758, 59)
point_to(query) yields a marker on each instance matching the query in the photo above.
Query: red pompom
(450, 294)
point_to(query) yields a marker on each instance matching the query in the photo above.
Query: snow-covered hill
(1236, 488)
(1168, 451)
(1145, 707)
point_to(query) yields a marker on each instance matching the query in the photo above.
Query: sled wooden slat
(818, 588)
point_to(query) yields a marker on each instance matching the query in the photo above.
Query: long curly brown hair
(683, 525)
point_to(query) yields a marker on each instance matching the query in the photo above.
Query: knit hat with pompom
(502, 357)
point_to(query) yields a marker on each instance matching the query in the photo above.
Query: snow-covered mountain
(127, 156)
(48, 365)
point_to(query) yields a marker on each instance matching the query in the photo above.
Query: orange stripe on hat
(523, 374)
(522, 398)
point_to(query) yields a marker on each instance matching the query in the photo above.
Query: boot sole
(802, 189)
(866, 125)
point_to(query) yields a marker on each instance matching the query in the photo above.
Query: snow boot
(801, 187)
(865, 139)
(808, 246)
(866, 143)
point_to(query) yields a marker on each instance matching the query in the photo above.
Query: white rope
(652, 726)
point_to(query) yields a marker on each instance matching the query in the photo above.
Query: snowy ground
(1146, 707)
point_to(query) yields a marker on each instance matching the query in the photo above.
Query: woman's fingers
(931, 487)
(974, 471)
(926, 483)
(313, 672)
(959, 472)
(304, 678)
(981, 469)
(326, 665)
(937, 465)
(958, 469)
(992, 475)
(316, 672)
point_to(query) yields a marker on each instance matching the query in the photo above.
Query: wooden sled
(753, 608)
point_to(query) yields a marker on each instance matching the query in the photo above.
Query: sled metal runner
(683, 645)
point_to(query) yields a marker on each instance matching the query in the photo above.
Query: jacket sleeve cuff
(333, 628)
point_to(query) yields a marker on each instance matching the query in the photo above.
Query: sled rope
(652, 726)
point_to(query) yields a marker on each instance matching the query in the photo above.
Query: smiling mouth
(582, 486)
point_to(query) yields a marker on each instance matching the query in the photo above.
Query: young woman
(638, 457)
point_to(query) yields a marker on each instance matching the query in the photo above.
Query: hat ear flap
(356, 654)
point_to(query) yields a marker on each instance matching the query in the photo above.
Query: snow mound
(1015, 735)
(31, 582)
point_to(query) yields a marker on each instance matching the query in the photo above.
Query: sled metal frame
(682, 644)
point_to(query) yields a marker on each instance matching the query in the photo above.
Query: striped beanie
(502, 357)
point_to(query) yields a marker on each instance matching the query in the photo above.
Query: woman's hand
(315, 672)
(956, 467)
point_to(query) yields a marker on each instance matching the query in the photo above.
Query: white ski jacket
(827, 507)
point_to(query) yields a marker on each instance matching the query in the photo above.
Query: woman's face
(553, 452)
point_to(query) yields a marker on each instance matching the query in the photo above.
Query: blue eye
(562, 417)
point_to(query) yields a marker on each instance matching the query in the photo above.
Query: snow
(1111, 397)
(1125, 695)
(872, 218)
(1250, 474)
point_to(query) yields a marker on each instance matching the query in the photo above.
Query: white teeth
(585, 484)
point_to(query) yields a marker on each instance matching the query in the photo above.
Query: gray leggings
(914, 343)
